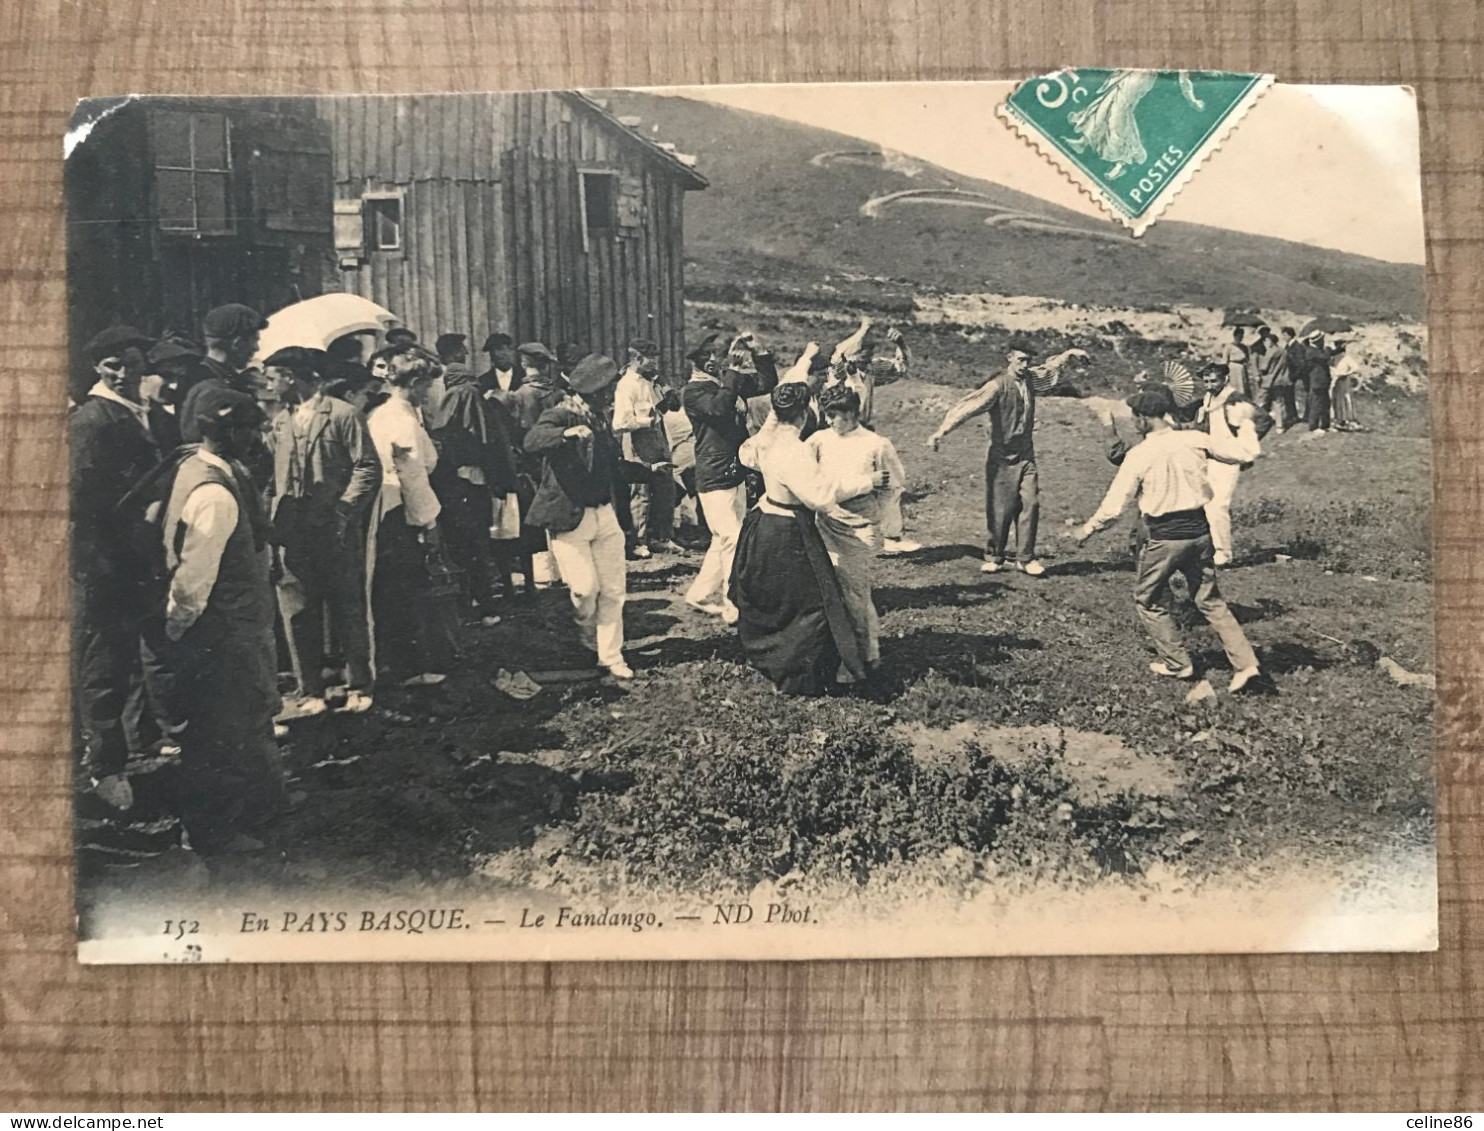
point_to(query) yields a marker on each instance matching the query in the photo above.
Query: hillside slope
(784, 210)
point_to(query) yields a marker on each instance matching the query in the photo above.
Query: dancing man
(1012, 494)
(580, 479)
(717, 416)
(1167, 472)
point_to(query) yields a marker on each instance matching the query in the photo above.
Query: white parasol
(316, 322)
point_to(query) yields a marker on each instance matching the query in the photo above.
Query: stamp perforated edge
(1080, 180)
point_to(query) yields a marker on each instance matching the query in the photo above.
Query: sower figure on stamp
(1167, 473)
(326, 475)
(1012, 497)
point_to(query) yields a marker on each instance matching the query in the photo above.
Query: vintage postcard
(786, 521)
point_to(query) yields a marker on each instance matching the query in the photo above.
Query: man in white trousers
(582, 473)
(716, 409)
(1222, 413)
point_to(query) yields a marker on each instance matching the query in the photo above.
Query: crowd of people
(338, 513)
(1277, 373)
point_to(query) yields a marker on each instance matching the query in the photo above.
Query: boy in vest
(219, 624)
(1167, 472)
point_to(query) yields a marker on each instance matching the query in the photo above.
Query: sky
(1334, 166)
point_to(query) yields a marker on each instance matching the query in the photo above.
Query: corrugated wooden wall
(493, 220)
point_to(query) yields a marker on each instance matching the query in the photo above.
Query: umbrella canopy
(1239, 316)
(316, 322)
(1325, 324)
(1181, 382)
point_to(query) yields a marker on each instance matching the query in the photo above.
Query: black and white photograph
(765, 522)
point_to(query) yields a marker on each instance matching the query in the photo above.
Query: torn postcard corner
(1131, 139)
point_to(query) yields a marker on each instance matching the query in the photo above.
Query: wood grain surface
(1278, 1032)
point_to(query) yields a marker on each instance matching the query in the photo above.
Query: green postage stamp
(1131, 138)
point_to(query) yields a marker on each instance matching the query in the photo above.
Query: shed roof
(675, 163)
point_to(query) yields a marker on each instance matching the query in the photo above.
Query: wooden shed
(177, 205)
(538, 214)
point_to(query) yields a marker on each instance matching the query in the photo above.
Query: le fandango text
(419, 921)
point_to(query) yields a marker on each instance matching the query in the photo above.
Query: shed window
(193, 171)
(384, 222)
(599, 204)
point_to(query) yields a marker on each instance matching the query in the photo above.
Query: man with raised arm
(1012, 495)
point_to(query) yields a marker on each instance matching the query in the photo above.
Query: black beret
(232, 321)
(219, 407)
(593, 373)
(114, 340)
(498, 341)
(447, 342)
(703, 350)
(1152, 400)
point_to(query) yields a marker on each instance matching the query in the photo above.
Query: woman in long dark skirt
(792, 618)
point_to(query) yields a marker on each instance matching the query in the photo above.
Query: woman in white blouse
(792, 617)
(853, 531)
(408, 644)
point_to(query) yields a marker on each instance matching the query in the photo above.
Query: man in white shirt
(1167, 473)
(639, 405)
(219, 621)
(1215, 415)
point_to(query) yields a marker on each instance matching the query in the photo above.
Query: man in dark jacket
(325, 475)
(503, 376)
(582, 475)
(714, 401)
(231, 333)
(112, 448)
(476, 464)
(1313, 362)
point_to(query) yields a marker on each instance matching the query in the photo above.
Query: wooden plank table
(1380, 1031)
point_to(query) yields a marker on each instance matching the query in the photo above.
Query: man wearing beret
(219, 622)
(1012, 491)
(476, 465)
(718, 418)
(326, 475)
(503, 376)
(1167, 473)
(639, 405)
(582, 474)
(112, 448)
(231, 333)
